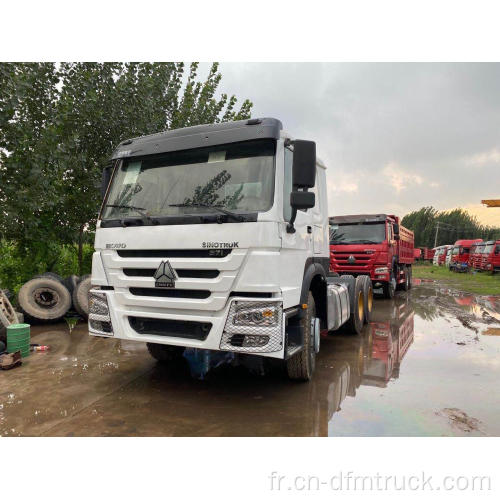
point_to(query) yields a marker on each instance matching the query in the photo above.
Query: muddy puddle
(427, 365)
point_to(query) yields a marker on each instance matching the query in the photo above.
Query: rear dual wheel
(358, 304)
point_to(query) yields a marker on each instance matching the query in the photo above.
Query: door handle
(309, 229)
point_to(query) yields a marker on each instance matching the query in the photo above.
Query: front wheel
(389, 289)
(301, 365)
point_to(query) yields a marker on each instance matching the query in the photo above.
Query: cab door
(296, 247)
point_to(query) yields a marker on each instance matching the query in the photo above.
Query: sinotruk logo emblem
(165, 276)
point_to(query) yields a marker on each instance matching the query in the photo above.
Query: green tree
(60, 123)
(454, 225)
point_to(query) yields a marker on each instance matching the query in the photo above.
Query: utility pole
(436, 237)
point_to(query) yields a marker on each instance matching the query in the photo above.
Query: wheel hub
(46, 297)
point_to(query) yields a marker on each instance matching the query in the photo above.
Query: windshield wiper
(139, 210)
(236, 217)
(363, 242)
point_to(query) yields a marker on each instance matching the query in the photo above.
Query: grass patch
(480, 283)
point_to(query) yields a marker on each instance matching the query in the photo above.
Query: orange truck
(375, 245)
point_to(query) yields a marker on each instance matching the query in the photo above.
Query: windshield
(489, 248)
(238, 177)
(346, 234)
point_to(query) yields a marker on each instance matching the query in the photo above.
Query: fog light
(255, 340)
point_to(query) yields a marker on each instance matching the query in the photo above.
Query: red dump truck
(375, 245)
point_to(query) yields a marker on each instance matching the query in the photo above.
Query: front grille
(182, 273)
(256, 295)
(341, 259)
(170, 292)
(170, 328)
(194, 254)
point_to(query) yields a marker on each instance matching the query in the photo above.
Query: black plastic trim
(176, 220)
(199, 136)
(178, 293)
(187, 253)
(170, 328)
(181, 273)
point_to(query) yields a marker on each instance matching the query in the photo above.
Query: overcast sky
(395, 137)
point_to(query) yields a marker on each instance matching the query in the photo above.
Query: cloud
(485, 158)
(399, 179)
(394, 136)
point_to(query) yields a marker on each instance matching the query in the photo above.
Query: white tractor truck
(216, 237)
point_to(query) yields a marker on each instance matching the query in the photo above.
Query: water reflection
(370, 359)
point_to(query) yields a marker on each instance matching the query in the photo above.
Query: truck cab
(491, 256)
(460, 254)
(215, 237)
(478, 256)
(375, 245)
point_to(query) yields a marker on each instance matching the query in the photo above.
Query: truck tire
(165, 353)
(81, 296)
(406, 284)
(70, 282)
(301, 365)
(356, 320)
(49, 274)
(44, 299)
(368, 298)
(388, 288)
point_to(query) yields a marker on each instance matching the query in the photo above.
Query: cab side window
(389, 232)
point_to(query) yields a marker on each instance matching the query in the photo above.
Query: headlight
(381, 270)
(253, 327)
(246, 315)
(99, 318)
(98, 305)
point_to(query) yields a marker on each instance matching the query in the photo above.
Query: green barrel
(19, 338)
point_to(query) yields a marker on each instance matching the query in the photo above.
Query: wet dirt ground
(427, 365)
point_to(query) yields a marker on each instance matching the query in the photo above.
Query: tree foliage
(60, 123)
(454, 225)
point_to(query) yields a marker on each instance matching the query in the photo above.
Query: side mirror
(304, 164)
(396, 236)
(301, 200)
(106, 177)
(497, 250)
(395, 228)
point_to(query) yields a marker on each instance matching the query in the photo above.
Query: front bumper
(219, 335)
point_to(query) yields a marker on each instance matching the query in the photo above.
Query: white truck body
(218, 267)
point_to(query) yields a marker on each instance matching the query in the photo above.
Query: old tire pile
(81, 296)
(48, 298)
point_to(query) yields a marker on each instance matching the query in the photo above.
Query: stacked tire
(48, 298)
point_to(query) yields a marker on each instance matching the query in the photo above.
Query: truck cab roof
(353, 219)
(199, 136)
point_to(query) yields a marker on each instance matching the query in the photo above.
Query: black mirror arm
(290, 228)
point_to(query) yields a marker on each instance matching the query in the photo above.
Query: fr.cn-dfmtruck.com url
(350, 481)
